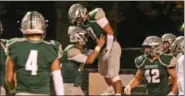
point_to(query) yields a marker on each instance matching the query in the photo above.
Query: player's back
(32, 64)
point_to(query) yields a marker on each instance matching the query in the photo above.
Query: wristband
(97, 49)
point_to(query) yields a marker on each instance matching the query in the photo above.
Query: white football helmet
(77, 35)
(168, 37)
(155, 43)
(177, 45)
(76, 11)
(33, 23)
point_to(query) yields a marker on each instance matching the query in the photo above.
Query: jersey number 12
(31, 63)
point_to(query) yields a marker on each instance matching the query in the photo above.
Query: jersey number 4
(31, 64)
(152, 75)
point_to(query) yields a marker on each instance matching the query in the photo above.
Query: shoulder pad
(14, 40)
(54, 42)
(3, 41)
(69, 47)
(96, 14)
(73, 52)
(58, 47)
(167, 60)
(140, 60)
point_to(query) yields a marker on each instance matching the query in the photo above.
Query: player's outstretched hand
(127, 90)
(101, 41)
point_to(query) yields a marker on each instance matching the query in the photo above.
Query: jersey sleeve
(139, 61)
(76, 55)
(58, 48)
(10, 51)
(168, 60)
(11, 45)
(99, 16)
(3, 43)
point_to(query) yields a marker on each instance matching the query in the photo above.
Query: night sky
(140, 19)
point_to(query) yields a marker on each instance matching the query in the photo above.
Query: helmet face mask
(177, 46)
(82, 38)
(79, 36)
(78, 14)
(153, 45)
(33, 23)
(166, 46)
(147, 50)
(157, 49)
(167, 39)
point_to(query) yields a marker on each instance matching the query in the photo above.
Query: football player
(178, 49)
(174, 50)
(176, 46)
(155, 68)
(95, 24)
(75, 57)
(2, 62)
(167, 39)
(31, 59)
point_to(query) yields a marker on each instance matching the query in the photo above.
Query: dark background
(132, 21)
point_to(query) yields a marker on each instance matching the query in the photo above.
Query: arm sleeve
(98, 14)
(101, 18)
(76, 55)
(110, 39)
(102, 22)
(58, 82)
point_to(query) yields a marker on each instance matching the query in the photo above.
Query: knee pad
(116, 78)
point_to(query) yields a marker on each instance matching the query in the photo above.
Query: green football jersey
(70, 71)
(2, 61)
(32, 63)
(156, 73)
(93, 27)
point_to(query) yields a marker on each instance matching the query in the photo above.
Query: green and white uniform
(72, 59)
(94, 27)
(32, 64)
(2, 65)
(156, 73)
